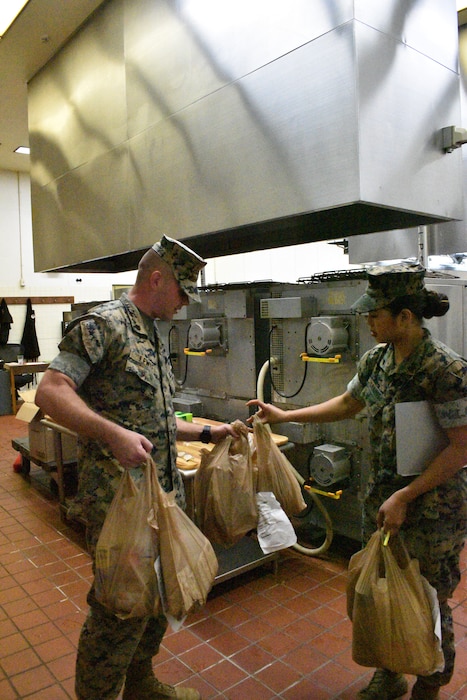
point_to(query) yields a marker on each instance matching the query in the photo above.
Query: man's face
(171, 298)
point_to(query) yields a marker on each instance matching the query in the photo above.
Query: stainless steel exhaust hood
(238, 126)
(435, 239)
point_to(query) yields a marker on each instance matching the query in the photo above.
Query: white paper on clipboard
(419, 437)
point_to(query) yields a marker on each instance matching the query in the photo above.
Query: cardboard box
(41, 437)
(41, 444)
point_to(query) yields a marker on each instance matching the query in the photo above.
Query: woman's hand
(392, 513)
(267, 413)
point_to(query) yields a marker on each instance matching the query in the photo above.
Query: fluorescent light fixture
(9, 11)
(23, 149)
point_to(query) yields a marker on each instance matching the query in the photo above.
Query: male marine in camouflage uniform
(112, 383)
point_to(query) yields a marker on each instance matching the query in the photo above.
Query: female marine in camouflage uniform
(429, 509)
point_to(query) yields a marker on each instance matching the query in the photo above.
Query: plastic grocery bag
(274, 471)
(392, 615)
(224, 490)
(188, 564)
(125, 580)
(275, 531)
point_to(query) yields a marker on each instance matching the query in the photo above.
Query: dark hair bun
(436, 304)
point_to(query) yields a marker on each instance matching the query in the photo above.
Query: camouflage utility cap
(388, 282)
(185, 264)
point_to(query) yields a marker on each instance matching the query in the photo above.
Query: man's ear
(155, 279)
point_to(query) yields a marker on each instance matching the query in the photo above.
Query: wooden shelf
(40, 300)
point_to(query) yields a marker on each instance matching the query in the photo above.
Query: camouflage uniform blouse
(120, 365)
(433, 372)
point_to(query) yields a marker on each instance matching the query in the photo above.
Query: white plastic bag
(274, 528)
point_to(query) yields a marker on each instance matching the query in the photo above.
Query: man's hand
(219, 432)
(129, 448)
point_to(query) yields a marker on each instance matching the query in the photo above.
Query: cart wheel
(18, 464)
(22, 465)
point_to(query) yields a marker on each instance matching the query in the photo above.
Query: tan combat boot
(385, 685)
(424, 691)
(149, 688)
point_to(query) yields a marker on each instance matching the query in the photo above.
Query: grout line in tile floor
(260, 636)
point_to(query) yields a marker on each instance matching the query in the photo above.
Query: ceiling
(36, 35)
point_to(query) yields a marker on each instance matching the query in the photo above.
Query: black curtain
(29, 340)
(5, 322)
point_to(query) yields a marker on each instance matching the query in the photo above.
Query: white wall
(17, 276)
(279, 264)
(19, 279)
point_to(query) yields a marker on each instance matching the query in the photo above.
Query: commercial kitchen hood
(242, 125)
(435, 239)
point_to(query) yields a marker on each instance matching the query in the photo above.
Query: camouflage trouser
(435, 536)
(108, 646)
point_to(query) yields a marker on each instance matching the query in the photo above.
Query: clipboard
(419, 437)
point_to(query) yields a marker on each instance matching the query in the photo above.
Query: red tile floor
(259, 636)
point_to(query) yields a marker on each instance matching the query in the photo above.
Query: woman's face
(383, 326)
